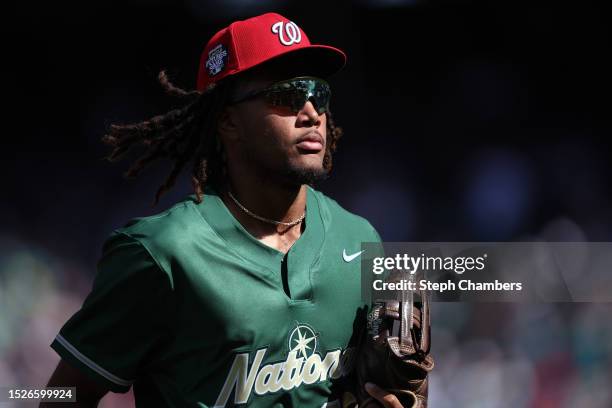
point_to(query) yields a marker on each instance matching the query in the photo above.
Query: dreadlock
(188, 134)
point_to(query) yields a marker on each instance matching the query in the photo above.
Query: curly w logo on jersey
(303, 365)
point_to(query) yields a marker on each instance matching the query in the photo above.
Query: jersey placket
(300, 259)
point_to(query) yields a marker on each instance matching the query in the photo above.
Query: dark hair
(188, 134)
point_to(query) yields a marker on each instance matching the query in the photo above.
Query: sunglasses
(294, 93)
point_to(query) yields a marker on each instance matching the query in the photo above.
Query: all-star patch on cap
(248, 43)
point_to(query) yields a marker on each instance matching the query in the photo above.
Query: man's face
(281, 144)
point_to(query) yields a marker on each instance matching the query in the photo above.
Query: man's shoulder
(167, 230)
(174, 218)
(341, 218)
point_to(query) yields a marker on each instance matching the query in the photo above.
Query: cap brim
(315, 60)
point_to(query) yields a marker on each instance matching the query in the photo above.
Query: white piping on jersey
(89, 363)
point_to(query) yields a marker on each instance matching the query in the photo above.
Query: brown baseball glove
(394, 352)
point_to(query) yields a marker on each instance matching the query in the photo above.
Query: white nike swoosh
(349, 258)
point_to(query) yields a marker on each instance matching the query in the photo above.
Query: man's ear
(227, 126)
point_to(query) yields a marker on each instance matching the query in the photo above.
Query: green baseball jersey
(193, 311)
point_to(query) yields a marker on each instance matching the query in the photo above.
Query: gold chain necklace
(267, 220)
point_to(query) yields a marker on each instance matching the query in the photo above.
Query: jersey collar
(303, 254)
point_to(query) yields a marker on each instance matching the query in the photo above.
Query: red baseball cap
(247, 43)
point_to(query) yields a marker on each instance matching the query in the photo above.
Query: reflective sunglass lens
(294, 94)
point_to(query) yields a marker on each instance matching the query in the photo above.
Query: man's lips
(312, 142)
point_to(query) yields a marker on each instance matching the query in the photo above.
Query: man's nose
(308, 114)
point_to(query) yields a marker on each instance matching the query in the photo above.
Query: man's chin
(306, 175)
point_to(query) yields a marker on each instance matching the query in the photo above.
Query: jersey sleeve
(375, 235)
(377, 248)
(125, 318)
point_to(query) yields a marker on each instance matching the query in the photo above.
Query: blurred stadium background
(464, 121)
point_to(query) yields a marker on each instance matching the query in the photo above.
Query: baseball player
(246, 292)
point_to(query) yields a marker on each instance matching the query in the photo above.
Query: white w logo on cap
(291, 30)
